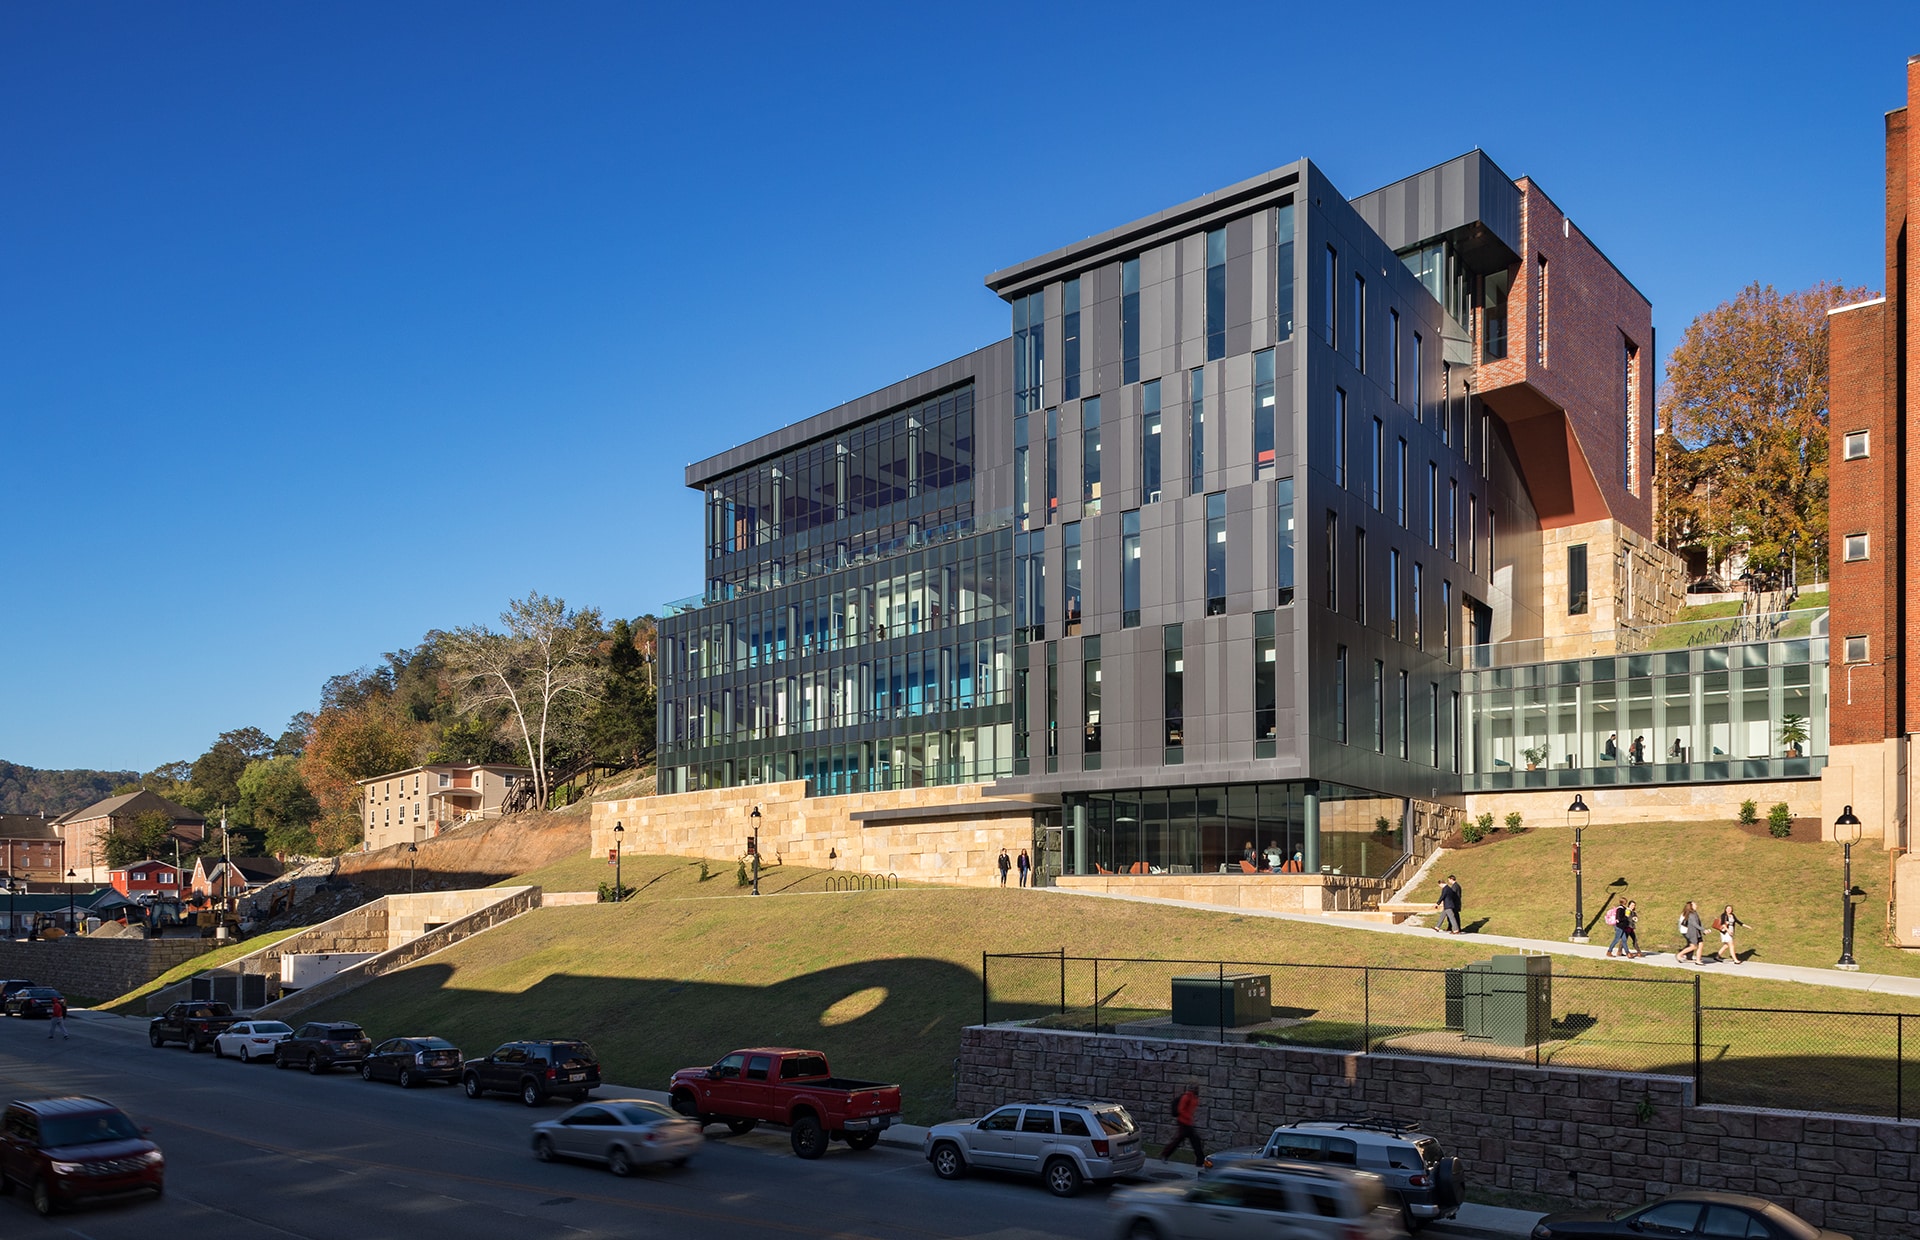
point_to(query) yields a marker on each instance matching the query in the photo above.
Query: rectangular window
(1577, 580)
(1070, 340)
(1405, 707)
(1029, 351)
(1283, 540)
(1265, 715)
(1333, 561)
(1053, 705)
(1360, 575)
(1446, 617)
(1400, 488)
(1493, 316)
(1393, 352)
(1379, 706)
(1856, 650)
(1445, 411)
(1020, 500)
(1540, 313)
(1492, 564)
(1393, 591)
(1419, 629)
(1216, 294)
(1283, 273)
(1856, 547)
(1090, 701)
(1173, 696)
(1150, 442)
(1419, 378)
(1090, 455)
(1358, 326)
(1453, 519)
(1022, 708)
(1630, 433)
(1053, 465)
(1376, 467)
(1340, 694)
(1263, 394)
(1473, 534)
(1433, 725)
(1070, 576)
(1216, 554)
(1130, 570)
(1197, 430)
(1433, 505)
(1330, 303)
(1453, 731)
(1856, 445)
(1339, 437)
(1130, 321)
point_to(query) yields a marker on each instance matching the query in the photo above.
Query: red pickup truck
(790, 1087)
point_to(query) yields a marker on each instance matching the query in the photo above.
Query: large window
(1340, 436)
(1070, 576)
(1379, 706)
(1197, 429)
(1630, 435)
(1493, 317)
(1283, 540)
(1332, 561)
(1150, 442)
(1173, 692)
(1090, 455)
(1029, 351)
(1130, 570)
(1090, 701)
(1340, 694)
(1216, 294)
(1070, 340)
(1265, 686)
(1577, 580)
(1263, 394)
(1130, 321)
(1053, 465)
(1053, 705)
(1283, 272)
(1357, 328)
(1021, 501)
(1330, 302)
(1376, 468)
(1216, 554)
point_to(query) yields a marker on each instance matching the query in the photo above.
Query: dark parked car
(67, 1150)
(321, 1045)
(1699, 1213)
(196, 1022)
(534, 1071)
(34, 1001)
(11, 984)
(413, 1061)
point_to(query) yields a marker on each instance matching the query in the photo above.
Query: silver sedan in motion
(623, 1133)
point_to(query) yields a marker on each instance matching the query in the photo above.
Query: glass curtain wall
(1256, 830)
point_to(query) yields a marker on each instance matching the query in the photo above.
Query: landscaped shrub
(609, 894)
(1513, 821)
(1485, 822)
(1780, 821)
(706, 871)
(740, 878)
(1749, 813)
(1382, 826)
(1474, 832)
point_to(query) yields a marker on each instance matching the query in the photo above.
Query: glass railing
(1679, 635)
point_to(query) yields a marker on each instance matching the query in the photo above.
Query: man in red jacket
(1186, 1113)
(58, 1019)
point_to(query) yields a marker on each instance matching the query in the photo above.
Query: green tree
(140, 840)
(294, 739)
(474, 739)
(276, 803)
(216, 773)
(621, 729)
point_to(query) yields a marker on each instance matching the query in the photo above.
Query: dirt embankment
(476, 855)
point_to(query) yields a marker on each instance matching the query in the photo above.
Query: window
(1400, 490)
(1053, 704)
(1856, 546)
(1339, 437)
(1419, 630)
(1090, 455)
(1577, 580)
(1020, 501)
(1393, 591)
(1445, 411)
(1491, 562)
(1376, 467)
(1216, 554)
(1029, 351)
(1037, 1121)
(1379, 706)
(1358, 327)
(1283, 540)
(1197, 429)
(1264, 684)
(1540, 312)
(1393, 352)
(1453, 730)
(1405, 706)
(1630, 437)
(1856, 445)
(1283, 273)
(1263, 447)
(1070, 340)
(1022, 725)
(1130, 321)
(1330, 304)
(1172, 691)
(1150, 442)
(1453, 519)
(1090, 702)
(1070, 577)
(1130, 570)
(1493, 316)
(1856, 650)
(1473, 534)
(1216, 294)
(1433, 505)
(1446, 617)
(1360, 575)
(1333, 561)
(1419, 377)
(1433, 724)
(1340, 694)
(1053, 465)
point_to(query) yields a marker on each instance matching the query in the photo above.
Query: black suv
(196, 1022)
(11, 984)
(535, 1071)
(321, 1045)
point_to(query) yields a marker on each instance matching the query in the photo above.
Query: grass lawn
(665, 878)
(884, 981)
(134, 1002)
(1789, 890)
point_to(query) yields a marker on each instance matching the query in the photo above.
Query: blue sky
(326, 325)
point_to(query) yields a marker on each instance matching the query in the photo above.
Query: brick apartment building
(31, 849)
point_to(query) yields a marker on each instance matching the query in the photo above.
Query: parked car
(11, 984)
(624, 1134)
(1696, 1213)
(1261, 1199)
(412, 1061)
(1064, 1141)
(534, 1071)
(323, 1045)
(251, 1039)
(195, 1022)
(784, 1086)
(67, 1150)
(1427, 1182)
(31, 1002)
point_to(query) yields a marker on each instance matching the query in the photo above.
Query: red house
(146, 878)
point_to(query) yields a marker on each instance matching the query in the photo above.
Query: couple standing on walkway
(1449, 905)
(1005, 864)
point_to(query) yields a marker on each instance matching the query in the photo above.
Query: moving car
(1064, 1141)
(1696, 1213)
(784, 1086)
(412, 1061)
(1427, 1182)
(623, 1134)
(195, 1022)
(1260, 1199)
(31, 1002)
(67, 1150)
(322, 1045)
(534, 1071)
(251, 1039)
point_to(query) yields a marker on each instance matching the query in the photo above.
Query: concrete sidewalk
(1838, 979)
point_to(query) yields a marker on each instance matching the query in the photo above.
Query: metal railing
(863, 882)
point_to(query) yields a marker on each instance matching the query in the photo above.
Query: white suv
(1260, 1200)
(1064, 1141)
(1427, 1183)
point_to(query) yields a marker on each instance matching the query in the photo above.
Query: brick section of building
(1521, 1128)
(1864, 600)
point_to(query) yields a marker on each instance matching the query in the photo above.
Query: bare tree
(540, 669)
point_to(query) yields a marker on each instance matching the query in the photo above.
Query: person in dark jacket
(1691, 930)
(1630, 919)
(1005, 863)
(58, 1014)
(1026, 866)
(1450, 906)
(1186, 1120)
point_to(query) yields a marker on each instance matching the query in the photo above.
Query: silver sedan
(623, 1133)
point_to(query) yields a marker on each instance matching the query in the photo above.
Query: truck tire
(809, 1138)
(1063, 1179)
(948, 1162)
(195, 1045)
(863, 1140)
(683, 1104)
(530, 1093)
(741, 1127)
(43, 1202)
(154, 1039)
(471, 1084)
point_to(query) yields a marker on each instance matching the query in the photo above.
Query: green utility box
(1507, 1000)
(1211, 999)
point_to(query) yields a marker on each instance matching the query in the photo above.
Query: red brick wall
(1859, 493)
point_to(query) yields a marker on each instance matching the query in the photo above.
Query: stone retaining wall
(1603, 1139)
(96, 969)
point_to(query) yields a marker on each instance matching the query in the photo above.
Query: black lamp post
(13, 920)
(753, 850)
(619, 834)
(1579, 807)
(1846, 829)
(71, 876)
(411, 850)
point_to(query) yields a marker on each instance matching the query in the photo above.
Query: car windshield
(57, 1131)
(640, 1114)
(1115, 1120)
(271, 1026)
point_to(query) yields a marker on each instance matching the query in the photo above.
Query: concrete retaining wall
(96, 969)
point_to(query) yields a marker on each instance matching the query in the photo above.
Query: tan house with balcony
(421, 802)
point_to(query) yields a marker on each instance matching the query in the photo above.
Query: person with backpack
(1616, 917)
(1186, 1116)
(1726, 923)
(1630, 922)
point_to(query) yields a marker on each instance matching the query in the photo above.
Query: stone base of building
(1873, 778)
(949, 834)
(1285, 893)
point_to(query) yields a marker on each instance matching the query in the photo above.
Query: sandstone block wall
(1297, 893)
(1603, 1139)
(96, 969)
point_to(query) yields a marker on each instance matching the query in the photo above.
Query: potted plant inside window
(1535, 755)
(1793, 733)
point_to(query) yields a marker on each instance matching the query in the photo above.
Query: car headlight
(1542, 1232)
(67, 1168)
(153, 1158)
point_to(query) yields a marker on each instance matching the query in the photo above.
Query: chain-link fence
(1864, 1063)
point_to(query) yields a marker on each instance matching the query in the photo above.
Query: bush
(1780, 821)
(1474, 832)
(609, 894)
(1513, 821)
(1749, 813)
(740, 878)
(1382, 826)
(1485, 822)
(706, 871)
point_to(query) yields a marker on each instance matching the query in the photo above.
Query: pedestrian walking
(1630, 920)
(1450, 906)
(1726, 924)
(1186, 1119)
(1612, 752)
(58, 1020)
(1005, 864)
(1616, 917)
(1690, 931)
(1026, 865)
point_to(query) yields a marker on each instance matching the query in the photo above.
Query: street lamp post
(13, 919)
(411, 850)
(753, 850)
(1846, 829)
(619, 833)
(70, 878)
(1579, 807)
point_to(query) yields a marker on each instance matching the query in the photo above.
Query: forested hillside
(25, 790)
